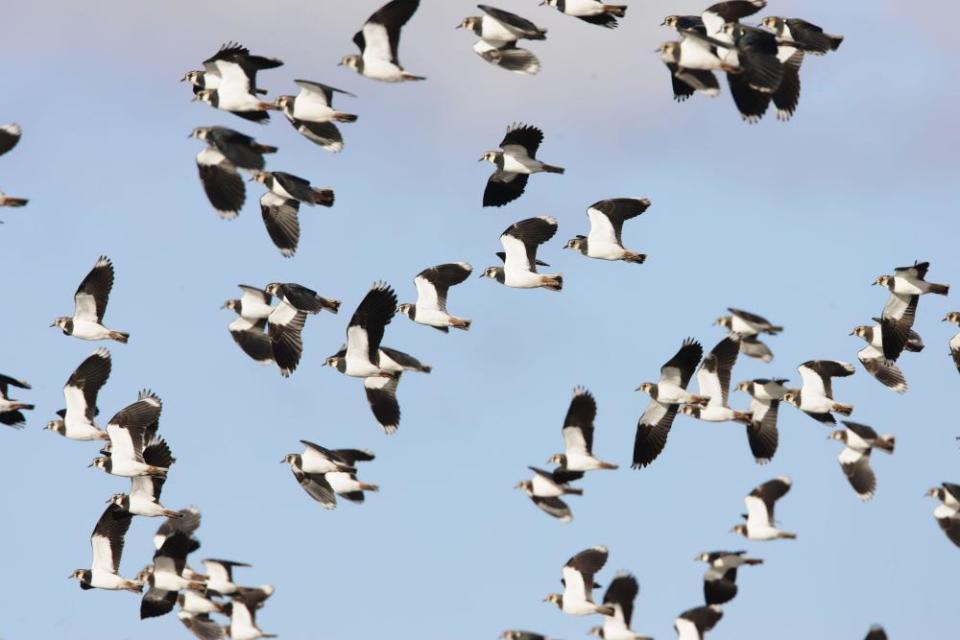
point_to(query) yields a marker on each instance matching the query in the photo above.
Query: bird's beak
(90, 465)
(852, 332)
(460, 26)
(945, 318)
(70, 577)
(481, 159)
(195, 98)
(53, 324)
(109, 500)
(340, 64)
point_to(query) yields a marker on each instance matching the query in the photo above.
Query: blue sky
(793, 221)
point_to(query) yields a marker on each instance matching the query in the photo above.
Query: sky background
(789, 220)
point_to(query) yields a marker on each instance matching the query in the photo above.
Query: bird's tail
(845, 409)
(267, 106)
(549, 168)
(743, 417)
(172, 514)
(369, 487)
(460, 323)
(330, 304)
(606, 610)
(540, 35)
(120, 336)
(15, 202)
(554, 283)
(619, 10)
(835, 42)
(410, 76)
(133, 585)
(608, 465)
(753, 561)
(160, 472)
(700, 400)
(21, 405)
(323, 197)
(570, 491)
(941, 289)
(425, 368)
(635, 258)
(886, 443)
(197, 586)
(264, 148)
(344, 117)
(786, 535)
(775, 329)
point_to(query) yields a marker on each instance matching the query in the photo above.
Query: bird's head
(744, 386)
(261, 177)
(558, 459)
(740, 529)
(792, 398)
(860, 331)
(232, 304)
(491, 272)
(730, 29)
(703, 557)
(669, 52)
(352, 61)
(525, 485)
(100, 462)
(291, 458)
(121, 500)
(200, 133)
(79, 574)
(549, 3)
(193, 77)
(575, 243)
(884, 281)
(595, 631)
(62, 322)
(490, 156)
(57, 425)
(333, 361)
(470, 23)
(283, 102)
(724, 321)
(933, 492)
(953, 317)
(670, 21)
(772, 22)
(839, 434)
(555, 598)
(646, 387)
(273, 288)
(405, 309)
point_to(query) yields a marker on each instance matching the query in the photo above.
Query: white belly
(513, 164)
(604, 250)
(106, 580)
(671, 394)
(716, 414)
(578, 607)
(86, 330)
(432, 317)
(583, 8)
(312, 111)
(142, 506)
(382, 70)
(342, 482)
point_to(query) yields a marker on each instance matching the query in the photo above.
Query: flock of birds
(762, 65)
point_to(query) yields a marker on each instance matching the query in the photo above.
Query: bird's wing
(607, 216)
(90, 300)
(382, 395)
(523, 138)
(107, 539)
(679, 369)
(380, 36)
(367, 325)
(85, 383)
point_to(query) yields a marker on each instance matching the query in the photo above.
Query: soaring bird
(578, 435)
(10, 409)
(713, 380)
(665, 396)
(433, 284)
(815, 398)
(107, 545)
(578, 572)
(312, 114)
(144, 496)
(620, 595)
(233, 61)
(243, 619)
(720, 579)
(131, 431)
(547, 488)
(520, 242)
(860, 440)
(90, 303)
(762, 434)
(809, 36)
(886, 340)
(606, 228)
(291, 187)
(499, 32)
(76, 422)
(910, 281)
(515, 160)
(165, 575)
(378, 41)
(361, 357)
(760, 502)
(593, 11)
